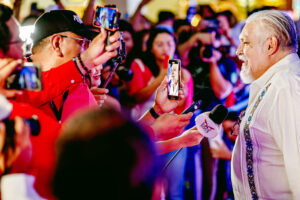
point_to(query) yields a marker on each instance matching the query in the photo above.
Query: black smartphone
(107, 17)
(174, 74)
(27, 76)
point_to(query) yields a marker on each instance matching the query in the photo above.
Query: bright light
(195, 20)
(25, 32)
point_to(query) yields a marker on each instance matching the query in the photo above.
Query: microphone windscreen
(218, 114)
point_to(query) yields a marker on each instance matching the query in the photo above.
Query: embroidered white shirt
(275, 136)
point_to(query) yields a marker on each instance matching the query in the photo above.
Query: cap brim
(86, 33)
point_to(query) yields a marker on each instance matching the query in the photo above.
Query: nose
(239, 50)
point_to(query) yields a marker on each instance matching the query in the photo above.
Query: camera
(27, 76)
(211, 25)
(124, 73)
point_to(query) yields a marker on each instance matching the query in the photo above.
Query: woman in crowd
(150, 70)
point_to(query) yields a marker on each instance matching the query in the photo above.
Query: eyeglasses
(236, 127)
(82, 41)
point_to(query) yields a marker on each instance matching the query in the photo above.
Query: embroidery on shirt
(249, 146)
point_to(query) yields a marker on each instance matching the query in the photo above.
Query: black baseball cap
(57, 21)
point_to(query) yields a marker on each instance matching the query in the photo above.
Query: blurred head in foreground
(102, 154)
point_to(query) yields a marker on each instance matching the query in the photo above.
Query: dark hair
(148, 57)
(103, 155)
(5, 34)
(230, 17)
(165, 15)
(180, 22)
(126, 26)
(136, 51)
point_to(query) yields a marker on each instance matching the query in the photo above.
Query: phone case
(106, 17)
(174, 76)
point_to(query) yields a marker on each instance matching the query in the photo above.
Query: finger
(4, 62)
(186, 117)
(115, 37)
(103, 34)
(183, 124)
(100, 91)
(113, 46)
(164, 83)
(100, 97)
(9, 68)
(105, 57)
(11, 93)
(100, 102)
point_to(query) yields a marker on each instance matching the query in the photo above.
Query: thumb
(186, 116)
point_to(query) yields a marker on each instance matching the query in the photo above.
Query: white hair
(277, 24)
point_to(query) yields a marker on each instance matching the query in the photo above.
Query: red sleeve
(141, 77)
(54, 82)
(43, 146)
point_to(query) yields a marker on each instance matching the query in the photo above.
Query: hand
(205, 38)
(162, 103)
(100, 95)
(221, 151)
(7, 66)
(191, 137)
(98, 53)
(170, 125)
(19, 157)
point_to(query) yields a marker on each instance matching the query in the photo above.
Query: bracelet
(75, 62)
(82, 65)
(153, 113)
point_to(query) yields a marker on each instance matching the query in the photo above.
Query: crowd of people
(115, 142)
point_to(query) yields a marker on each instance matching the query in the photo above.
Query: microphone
(208, 124)
(201, 99)
(215, 117)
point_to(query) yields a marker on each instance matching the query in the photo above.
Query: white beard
(246, 74)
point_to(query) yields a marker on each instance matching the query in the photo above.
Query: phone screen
(26, 77)
(107, 18)
(174, 71)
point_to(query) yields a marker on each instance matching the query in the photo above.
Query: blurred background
(179, 7)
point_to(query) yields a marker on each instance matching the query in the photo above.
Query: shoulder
(186, 74)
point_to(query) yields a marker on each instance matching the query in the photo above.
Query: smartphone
(27, 76)
(174, 73)
(107, 17)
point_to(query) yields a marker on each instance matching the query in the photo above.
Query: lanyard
(58, 113)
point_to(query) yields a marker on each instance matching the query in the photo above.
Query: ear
(272, 45)
(55, 42)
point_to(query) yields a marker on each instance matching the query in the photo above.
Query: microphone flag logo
(206, 127)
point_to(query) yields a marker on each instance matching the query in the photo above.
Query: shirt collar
(280, 65)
